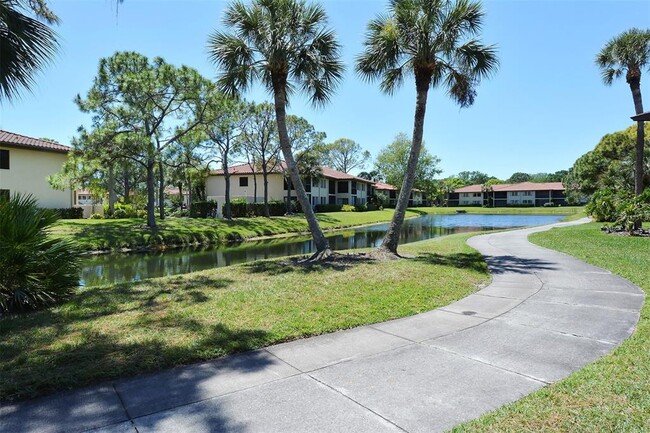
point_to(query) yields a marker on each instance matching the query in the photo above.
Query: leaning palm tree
(629, 53)
(285, 44)
(435, 40)
(26, 44)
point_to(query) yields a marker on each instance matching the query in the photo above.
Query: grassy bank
(611, 394)
(134, 234)
(124, 329)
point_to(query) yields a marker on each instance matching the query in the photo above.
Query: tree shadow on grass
(472, 261)
(336, 262)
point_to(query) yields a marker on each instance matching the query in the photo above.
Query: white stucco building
(333, 187)
(26, 163)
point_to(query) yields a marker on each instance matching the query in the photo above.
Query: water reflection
(133, 267)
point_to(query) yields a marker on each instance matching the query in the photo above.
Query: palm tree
(629, 53)
(435, 40)
(26, 44)
(286, 45)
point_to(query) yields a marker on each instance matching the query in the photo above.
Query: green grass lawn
(611, 394)
(134, 234)
(124, 329)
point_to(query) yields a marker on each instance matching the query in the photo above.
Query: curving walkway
(544, 316)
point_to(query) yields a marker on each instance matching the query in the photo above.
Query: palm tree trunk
(389, 244)
(635, 87)
(320, 242)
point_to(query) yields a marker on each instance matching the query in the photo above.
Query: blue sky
(544, 108)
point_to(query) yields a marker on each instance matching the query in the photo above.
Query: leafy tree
(285, 44)
(519, 177)
(345, 155)
(435, 40)
(223, 123)
(473, 177)
(260, 140)
(35, 269)
(27, 44)
(392, 161)
(609, 165)
(140, 109)
(372, 175)
(629, 53)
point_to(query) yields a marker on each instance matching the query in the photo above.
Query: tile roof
(249, 169)
(511, 187)
(384, 186)
(17, 140)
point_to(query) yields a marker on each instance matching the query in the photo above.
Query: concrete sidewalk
(544, 316)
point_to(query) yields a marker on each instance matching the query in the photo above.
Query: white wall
(28, 172)
(521, 197)
(468, 199)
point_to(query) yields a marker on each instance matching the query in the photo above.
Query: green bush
(70, 213)
(240, 208)
(630, 211)
(120, 213)
(348, 208)
(603, 205)
(96, 216)
(360, 208)
(322, 208)
(35, 270)
(203, 209)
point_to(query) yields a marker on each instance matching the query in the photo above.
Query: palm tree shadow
(336, 262)
(472, 261)
(517, 265)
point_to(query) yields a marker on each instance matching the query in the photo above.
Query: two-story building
(25, 165)
(332, 187)
(416, 198)
(515, 194)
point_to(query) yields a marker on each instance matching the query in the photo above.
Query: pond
(112, 268)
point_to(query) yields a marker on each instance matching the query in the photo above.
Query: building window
(514, 194)
(4, 160)
(4, 194)
(477, 194)
(243, 181)
(354, 187)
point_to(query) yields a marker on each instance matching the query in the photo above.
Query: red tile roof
(470, 188)
(17, 140)
(380, 186)
(281, 166)
(511, 187)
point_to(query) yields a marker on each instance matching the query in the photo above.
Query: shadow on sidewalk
(517, 265)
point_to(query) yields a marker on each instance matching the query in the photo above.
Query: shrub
(348, 208)
(96, 216)
(203, 209)
(373, 206)
(360, 208)
(603, 204)
(35, 270)
(550, 204)
(70, 213)
(120, 213)
(328, 208)
(630, 211)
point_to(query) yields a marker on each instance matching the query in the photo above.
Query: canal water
(112, 268)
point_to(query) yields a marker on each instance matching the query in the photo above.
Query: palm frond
(627, 52)
(26, 46)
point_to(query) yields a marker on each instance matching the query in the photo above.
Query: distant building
(333, 187)
(25, 164)
(503, 195)
(417, 197)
